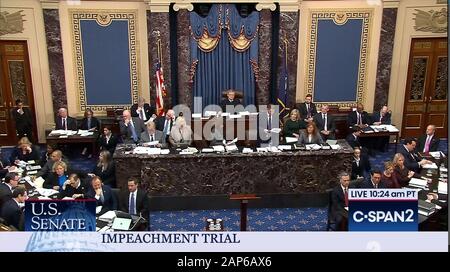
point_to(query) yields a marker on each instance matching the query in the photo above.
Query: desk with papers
(209, 171)
(382, 131)
(73, 137)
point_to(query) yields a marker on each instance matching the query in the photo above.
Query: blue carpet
(286, 219)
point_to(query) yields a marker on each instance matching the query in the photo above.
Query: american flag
(160, 90)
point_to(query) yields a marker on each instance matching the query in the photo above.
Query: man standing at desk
(230, 101)
(64, 122)
(134, 201)
(142, 110)
(131, 127)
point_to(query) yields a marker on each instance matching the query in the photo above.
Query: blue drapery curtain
(224, 53)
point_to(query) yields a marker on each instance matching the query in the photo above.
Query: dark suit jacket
(411, 159)
(94, 124)
(12, 213)
(5, 193)
(125, 131)
(386, 118)
(303, 112)
(71, 123)
(109, 203)
(352, 118)
(108, 176)
(367, 184)
(434, 144)
(320, 122)
(70, 191)
(149, 111)
(17, 154)
(352, 141)
(358, 170)
(110, 145)
(23, 121)
(141, 203)
(227, 102)
(262, 124)
(160, 121)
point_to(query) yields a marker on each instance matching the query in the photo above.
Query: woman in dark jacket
(106, 169)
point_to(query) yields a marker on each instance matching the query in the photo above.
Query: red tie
(427, 145)
(346, 197)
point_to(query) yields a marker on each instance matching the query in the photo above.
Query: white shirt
(325, 121)
(428, 139)
(142, 111)
(64, 121)
(107, 138)
(166, 123)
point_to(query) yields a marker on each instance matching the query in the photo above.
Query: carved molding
(178, 6)
(11, 23)
(261, 6)
(434, 21)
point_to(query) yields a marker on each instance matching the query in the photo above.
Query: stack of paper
(437, 154)
(165, 151)
(443, 188)
(290, 140)
(261, 149)
(230, 148)
(419, 183)
(273, 149)
(284, 147)
(108, 216)
(196, 115)
(153, 143)
(247, 150)
(313, 147)
(219, 148)
(154, 151)
(46, 192)
(430, 166)
(210, 113)
(207, 150)
(390, 128)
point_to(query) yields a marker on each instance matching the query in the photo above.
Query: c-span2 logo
(382, 210)
(60, 215)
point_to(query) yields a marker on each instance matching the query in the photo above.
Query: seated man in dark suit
(339, 202)
(64, 122)
(142, 110)
(12, 210)
(103, 194)
(131, 128)
(107, 140)
(307, 109)
(7, 187)
(428, 142)
(359, 117)
(165, 123)
(412, 160)
(382, 117)
(74, 188)
(134, 201)
(230, 101)
(353, 138)
(374, 182)
(325, 123)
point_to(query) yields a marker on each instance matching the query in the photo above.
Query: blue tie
(132, 208)
(133, 132)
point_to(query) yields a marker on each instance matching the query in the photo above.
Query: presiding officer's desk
(287, 172)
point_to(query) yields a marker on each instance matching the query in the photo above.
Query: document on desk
(313, 147)
(154, 151)
(284, 147)
(261, 149)
(210, 113)
(244, 113)
(335, 147)
(196, 115)
(247, 150)
(390, 128)
(108, 216)
(290, 140)
(430, 166)
(437, 154)
(234, 141)
(235, 116)
(219, 148)
(230, 148)
(31, 162)
(207, 150)
(39, 182)
(443, 188)
(165, 151)
(421, 183)
(46, 192)
(273, 149)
